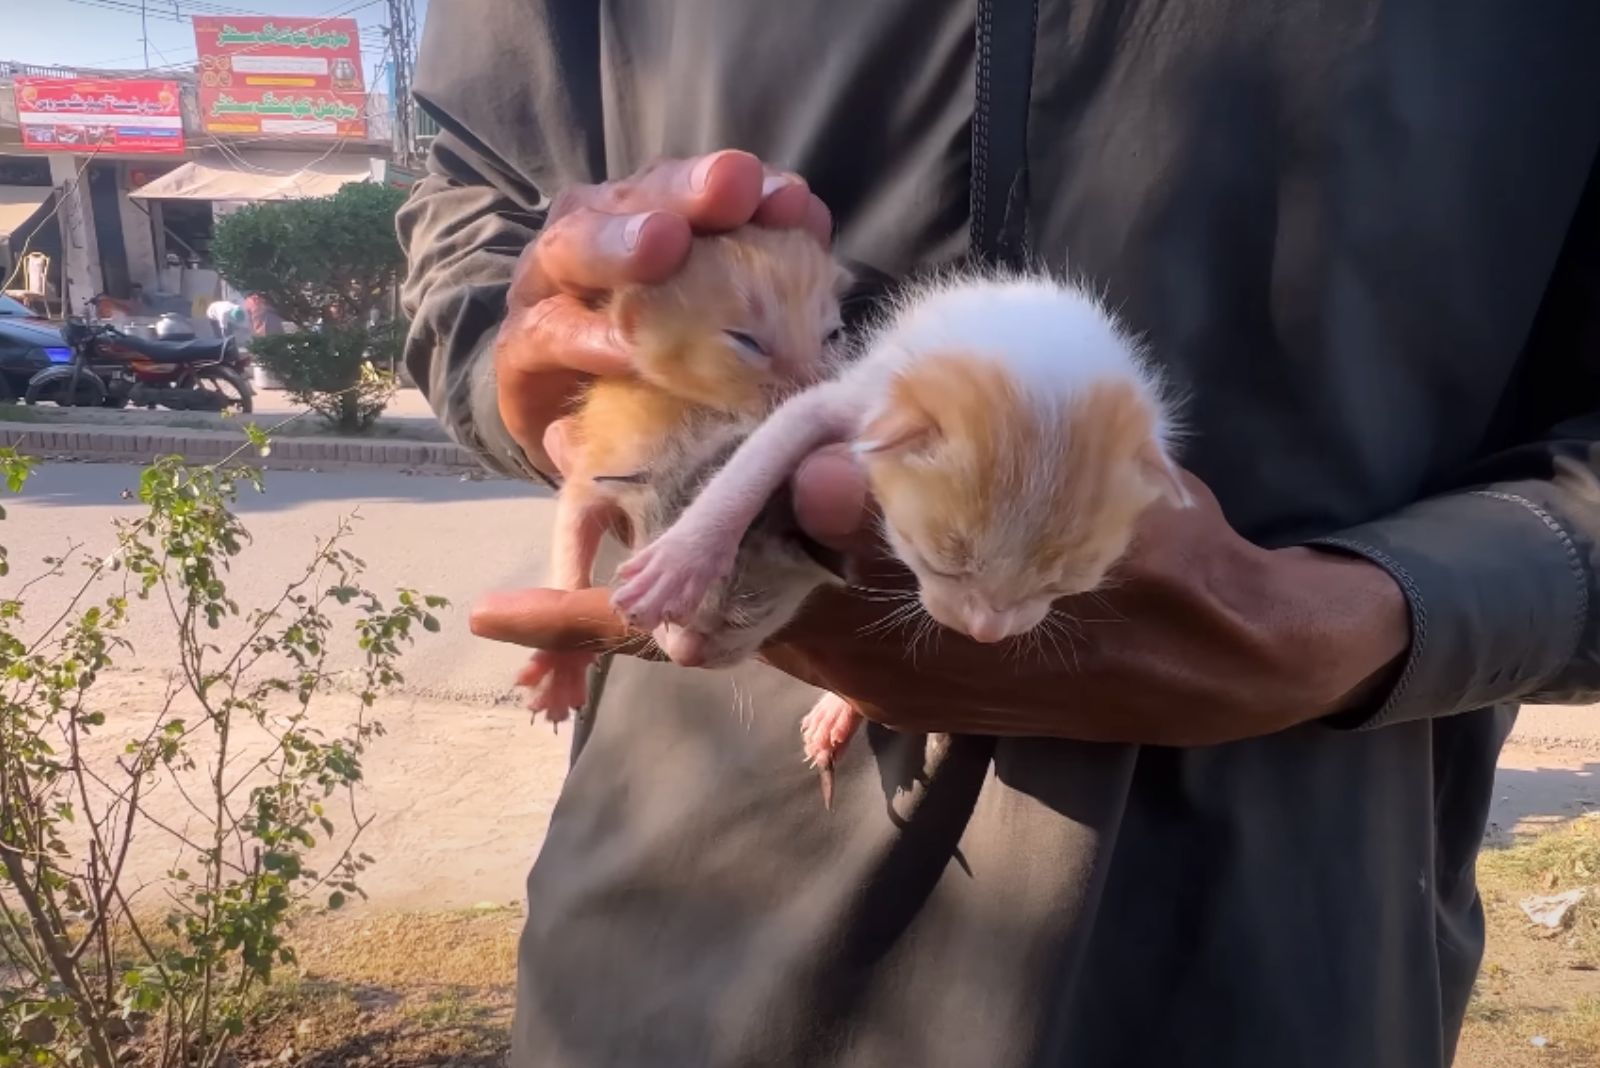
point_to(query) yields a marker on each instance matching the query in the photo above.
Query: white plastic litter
(1551, 910)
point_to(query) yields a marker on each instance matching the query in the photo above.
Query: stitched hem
(1580, 617)
(1416, 608)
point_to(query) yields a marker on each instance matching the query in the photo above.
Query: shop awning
(250, 176)
(18, 204)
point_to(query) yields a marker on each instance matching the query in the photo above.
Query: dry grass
(1537, 983)
(395, 990)
(398, 990)
(407, 990)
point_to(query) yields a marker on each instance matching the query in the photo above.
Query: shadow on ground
(332, 1024)
(103, 485)
(1540, 799)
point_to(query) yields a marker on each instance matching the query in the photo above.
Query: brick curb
(137, 446)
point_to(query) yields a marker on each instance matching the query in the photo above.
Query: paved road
(439, 534)
(463, 792)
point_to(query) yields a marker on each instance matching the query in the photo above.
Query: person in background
(264, 318)
(1238, 826)
(228, 319)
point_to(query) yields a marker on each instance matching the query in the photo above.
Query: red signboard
(289, 77)
(140, 116)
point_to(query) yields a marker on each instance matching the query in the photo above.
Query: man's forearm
(462, 237)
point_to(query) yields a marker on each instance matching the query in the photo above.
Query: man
(1240, 828)
(264, 318)
(228, 319)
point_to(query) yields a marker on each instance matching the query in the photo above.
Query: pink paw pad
(559, 681)
(825, 731)
(664, 583)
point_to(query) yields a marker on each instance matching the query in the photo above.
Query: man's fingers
(637, 230)
(714, 192)
(563, 331)
(561, 620)
(832, 503)
(787, 203)
(589, 253)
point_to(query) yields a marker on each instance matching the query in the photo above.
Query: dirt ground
(422, 973)
(462, 791)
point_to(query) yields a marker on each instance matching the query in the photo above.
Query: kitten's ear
(627, 309)
(843, 279)
(1162, 474)
(900, 427)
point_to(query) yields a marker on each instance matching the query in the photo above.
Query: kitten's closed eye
(920, 561)
(746, 342)
(834, 336)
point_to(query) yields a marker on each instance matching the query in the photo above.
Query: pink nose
(986, 626)
(684, 647)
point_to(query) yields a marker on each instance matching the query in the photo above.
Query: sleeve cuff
(465, 397)
(1498, 597)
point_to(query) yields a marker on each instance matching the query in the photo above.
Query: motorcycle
(112, 369)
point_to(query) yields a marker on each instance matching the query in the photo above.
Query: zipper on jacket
(1006, 30)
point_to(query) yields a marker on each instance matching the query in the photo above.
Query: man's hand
(599, 237)
(1204, 638)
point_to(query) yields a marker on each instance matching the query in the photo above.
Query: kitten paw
(825, 731)
(559, 683)
(665, 582)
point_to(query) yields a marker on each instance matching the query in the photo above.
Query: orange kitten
(751, 316)
(1012, 433)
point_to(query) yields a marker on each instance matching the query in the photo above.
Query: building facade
(111, 180)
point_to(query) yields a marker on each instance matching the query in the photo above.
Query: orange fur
(984, 485)
(779, 286)
(781, 290)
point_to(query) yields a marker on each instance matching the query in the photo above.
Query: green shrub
(83, 967)
(339, 372)
(329, 260)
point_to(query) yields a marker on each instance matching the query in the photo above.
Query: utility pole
(403, 62)
(144, 32)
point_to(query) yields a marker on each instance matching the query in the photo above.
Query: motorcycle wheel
(234, 391)
(91, 394)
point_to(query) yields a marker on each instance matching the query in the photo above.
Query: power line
(402, 64)
(374, 39)
(140, 7)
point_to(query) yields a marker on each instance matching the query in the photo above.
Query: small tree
(339, 371)
(331, 261)
(82, 965)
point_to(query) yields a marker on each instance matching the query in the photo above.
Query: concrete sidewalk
(140, 445)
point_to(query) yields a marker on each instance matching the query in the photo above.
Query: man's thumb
(832, 504)
(560, 620)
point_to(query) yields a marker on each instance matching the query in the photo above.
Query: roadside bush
(337, 372)
(330, 262)
(99, 971)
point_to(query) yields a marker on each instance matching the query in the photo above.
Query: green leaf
(336, 900)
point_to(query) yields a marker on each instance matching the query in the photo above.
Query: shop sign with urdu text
(281, 77)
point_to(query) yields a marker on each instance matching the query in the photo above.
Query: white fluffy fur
(1054, 336)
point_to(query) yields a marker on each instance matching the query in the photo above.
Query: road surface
(463, 786)
(440, 534)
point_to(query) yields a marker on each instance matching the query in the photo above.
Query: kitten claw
(559, 683)
(664, 583)
(825, 731)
